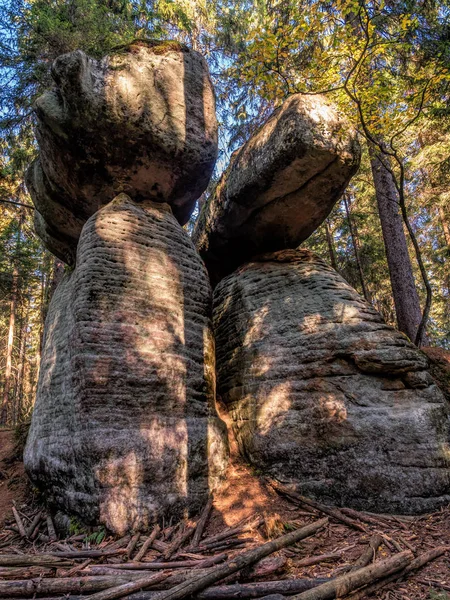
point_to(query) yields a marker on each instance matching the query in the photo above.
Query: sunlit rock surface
(125, 428)
(280, 186)
(140, 121)
(323, 393)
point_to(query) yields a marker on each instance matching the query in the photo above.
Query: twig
(148, 542)
(202, 522)
(332, 512)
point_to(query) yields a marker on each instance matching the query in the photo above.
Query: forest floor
(245, 496)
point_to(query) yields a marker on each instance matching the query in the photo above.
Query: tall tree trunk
(445, 225)
(9, 346)
(12, 321)
(18, 395)
(406, 298)
(330, 245)
(356, 249)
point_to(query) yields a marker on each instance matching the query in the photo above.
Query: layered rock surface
(141, 121)
(125, 428)
(323, 393)
(280, 186)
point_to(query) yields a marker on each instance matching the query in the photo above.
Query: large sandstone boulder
(125, 427)
(280, 186)
(140, 121)
(323, 393)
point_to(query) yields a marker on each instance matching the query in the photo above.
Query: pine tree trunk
(445, 225)
(330, 245)
(356, 249)
(406, 299)
(9, 347)
(18, 395)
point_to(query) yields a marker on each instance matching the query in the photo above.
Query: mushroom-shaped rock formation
(140, 121)
(323, 393)
(125, 427)
(280, 186)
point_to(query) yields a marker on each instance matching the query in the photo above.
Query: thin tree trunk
(12, 321)
(406, 298)
(18, 400)
(356, 249)
(9, 346)
(330, 244)
(445, 225)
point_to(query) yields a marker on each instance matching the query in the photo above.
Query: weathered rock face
(279, 186)
(141, 121)
(323, 393)
(125, 427)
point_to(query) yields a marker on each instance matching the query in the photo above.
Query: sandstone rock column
(323, 393)
(125, 428)
(279, 186)
(141, 121)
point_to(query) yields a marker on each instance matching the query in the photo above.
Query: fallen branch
(416, 564)
(182, 564)
(51, 529)
(369, 554)
(128, 588)
(202, 522)
(19, 522)
(211, 542)
(132, 545)
(87, 553)
(65, 585)
(182, 536)
(343, 585)
(25, 560)
(315, 560)
(34, 525)
(328, 510)
(148, 542)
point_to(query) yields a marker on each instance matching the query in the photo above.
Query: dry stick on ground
(128, 588)
(119, 543)
(202, 581)
(315, 560)
(369, 553)
(183, 535)
(182, 564)
(65, 585)
(87, 553)
(332, 512)
(259, 589)
(365, 517)
(148, 542)
(19, 522)
(202, 522)
(34, 524)
(434, 583)
(25, 560)
(210, 542)
(132, 545)
(160, 546)
(78, 568)
(343, 585)
(416, 564)
(51, 528)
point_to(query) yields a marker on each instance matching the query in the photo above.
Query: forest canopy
(385, 64)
